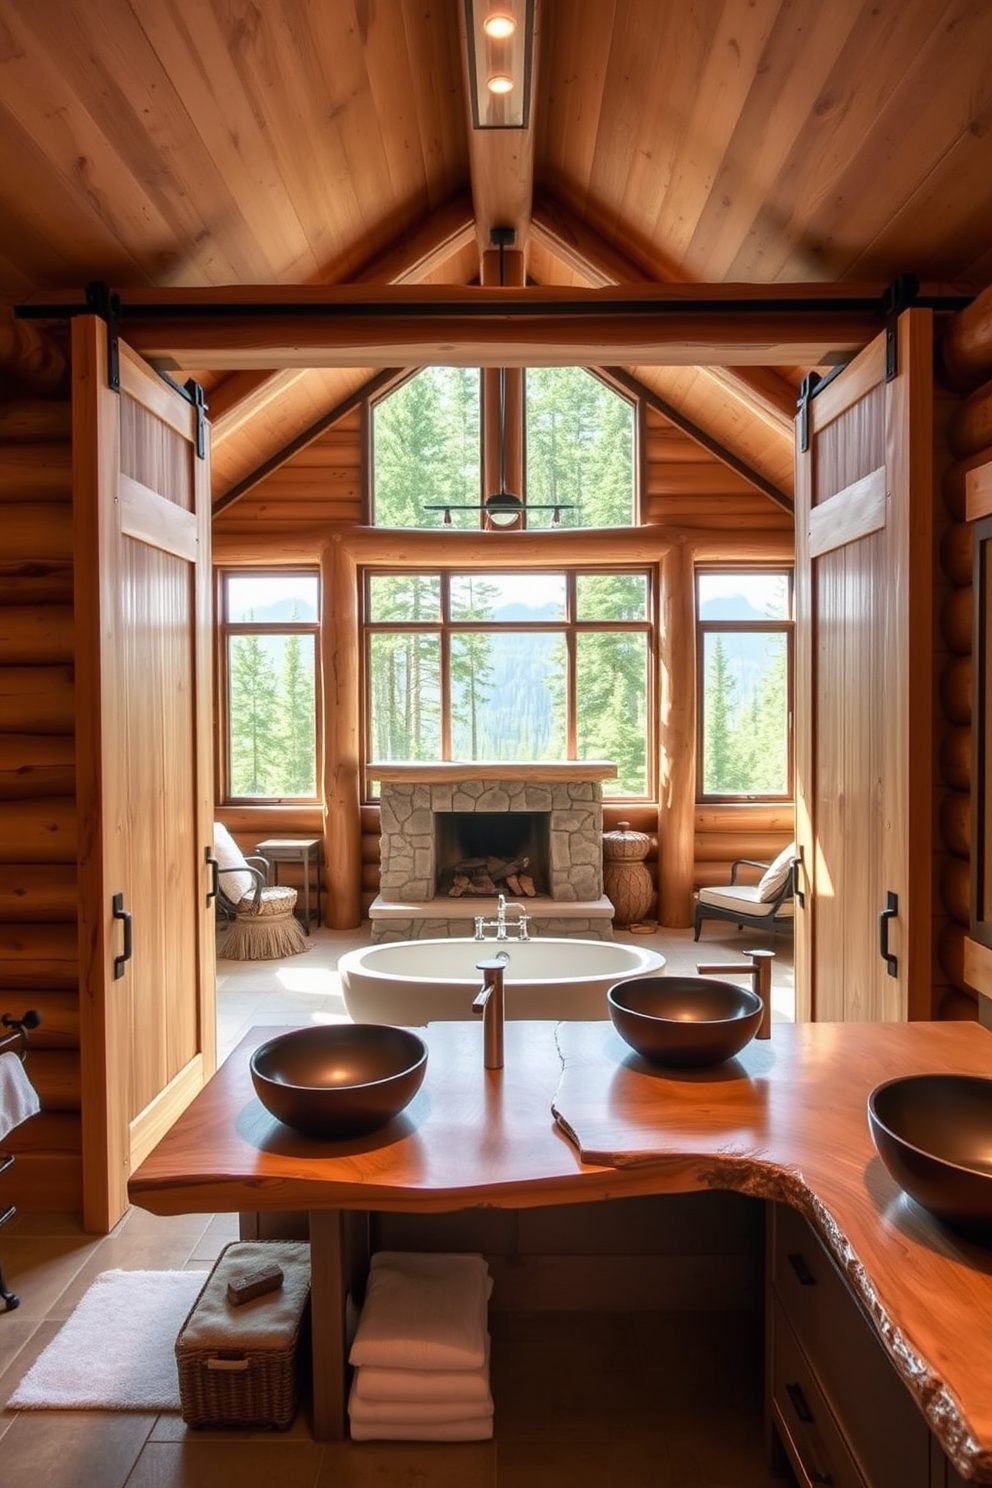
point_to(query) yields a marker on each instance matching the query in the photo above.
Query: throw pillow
(234, 886)
(776, 874)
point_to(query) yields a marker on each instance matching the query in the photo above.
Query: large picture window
(512, 666)
(269, 630)
(744, 666)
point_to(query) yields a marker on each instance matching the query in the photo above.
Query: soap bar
(254, 1284)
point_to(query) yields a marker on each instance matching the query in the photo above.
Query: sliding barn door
(864, 664)
(147, 979)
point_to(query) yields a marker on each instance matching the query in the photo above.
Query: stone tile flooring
(657, 1400)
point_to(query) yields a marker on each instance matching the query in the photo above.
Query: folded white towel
(18, 1097)
(424, 1312)
(480, 1428)
(407, 1413)
(425, 1386)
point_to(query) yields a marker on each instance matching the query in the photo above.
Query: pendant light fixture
(502, 508)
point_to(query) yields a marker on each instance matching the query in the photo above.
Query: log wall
(39, 965)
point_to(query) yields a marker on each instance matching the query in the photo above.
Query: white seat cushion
(744, 897)
(776, 873)
(229, 855)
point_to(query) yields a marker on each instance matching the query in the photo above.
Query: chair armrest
(259, 880)
(263, 864)
(744, 863)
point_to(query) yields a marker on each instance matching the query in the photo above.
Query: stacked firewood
(482, 876)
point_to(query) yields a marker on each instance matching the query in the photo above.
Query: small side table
(305, 850)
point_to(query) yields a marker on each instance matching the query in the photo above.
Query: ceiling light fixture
(500, 35)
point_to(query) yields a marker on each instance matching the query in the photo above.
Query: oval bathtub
(420, 981)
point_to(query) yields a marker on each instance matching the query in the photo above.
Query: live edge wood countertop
(575, 1116)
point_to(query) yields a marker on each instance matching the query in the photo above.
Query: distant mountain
(730, 607)
(281, 610)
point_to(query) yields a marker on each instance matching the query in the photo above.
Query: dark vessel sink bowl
(339, 1080)
(684, 1021)
(934, 1135)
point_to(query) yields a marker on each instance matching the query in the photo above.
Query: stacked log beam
(39, 965)
(965, 364)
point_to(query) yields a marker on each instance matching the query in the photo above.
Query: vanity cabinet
(842, 1414)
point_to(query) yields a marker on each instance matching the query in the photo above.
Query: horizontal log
(371, 877)
(978, 492)
(954, 483)
(37, 700)
(37, 765)
(36, 472)
(420, 325)
(54, 1074)
(957, 552)
(259, 822)
(59, 1010)
(756, 817)
(39, 532)
(955, 822)
(956, 689)
(55, 1132)
(38, 893)
(950, 953)
(955, 888)
(35, 583)
(371, 847)
(41, 420)
(965, 352)
(39, 956)
(970, 427)
(370, 819)
(45, 1182)
(955, 757)
(41, 831)
(695, 478)
(716, 513)
(36, 636)
(957, 617)
(279, 511)
(725, 846)
(30, 356)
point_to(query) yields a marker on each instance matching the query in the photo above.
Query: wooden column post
(342, 711)
(513, 390)
(677, 740)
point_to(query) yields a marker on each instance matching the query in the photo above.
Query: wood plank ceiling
(185, 143)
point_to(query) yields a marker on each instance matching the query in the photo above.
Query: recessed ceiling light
(499, 26)
(499, 83)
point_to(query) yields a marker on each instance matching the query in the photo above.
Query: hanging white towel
(424, 1312)
(427, 1386)
(478, 1429)
(18, 1097)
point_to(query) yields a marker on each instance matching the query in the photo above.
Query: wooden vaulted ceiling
(200, 143)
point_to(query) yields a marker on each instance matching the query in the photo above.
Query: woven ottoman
(266, 930)
(242, 1365)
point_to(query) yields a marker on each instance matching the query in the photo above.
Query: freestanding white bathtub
(420, 981)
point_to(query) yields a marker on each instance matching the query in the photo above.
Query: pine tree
(254, 714)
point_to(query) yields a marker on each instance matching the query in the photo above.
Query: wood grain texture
(785, 1120)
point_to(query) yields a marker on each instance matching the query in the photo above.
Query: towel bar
(18, 1035)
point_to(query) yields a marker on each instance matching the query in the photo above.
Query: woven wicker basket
(243, 1366)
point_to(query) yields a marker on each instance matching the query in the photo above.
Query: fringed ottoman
(265, 930)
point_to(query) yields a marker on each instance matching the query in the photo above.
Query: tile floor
(663, 1400)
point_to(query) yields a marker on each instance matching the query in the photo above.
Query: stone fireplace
(434, 814)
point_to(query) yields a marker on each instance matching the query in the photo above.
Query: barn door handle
(120, 913)
(208, 858)
(884, 917)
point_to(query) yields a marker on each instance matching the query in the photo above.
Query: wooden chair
(764, 905)
(264, 923)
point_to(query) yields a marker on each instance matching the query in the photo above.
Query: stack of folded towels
(421, 1350)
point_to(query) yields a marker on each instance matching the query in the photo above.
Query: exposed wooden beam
(501, 161)
(429, 249)
(766, 392)
(637, 389)
(416, 325)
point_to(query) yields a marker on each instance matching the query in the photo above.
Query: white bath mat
(116, 1351)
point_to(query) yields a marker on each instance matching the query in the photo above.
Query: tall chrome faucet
(499, 924)
(489, 1002)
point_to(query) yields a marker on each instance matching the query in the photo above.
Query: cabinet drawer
(884, 1428)
(808, 1430)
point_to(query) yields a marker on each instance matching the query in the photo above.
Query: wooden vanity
(575, 1117)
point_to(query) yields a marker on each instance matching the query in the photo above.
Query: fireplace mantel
(445, 772)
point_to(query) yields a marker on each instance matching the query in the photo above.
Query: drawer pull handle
(803, 1413)
(804, 1275)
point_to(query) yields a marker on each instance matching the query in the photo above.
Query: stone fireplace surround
(408, 906)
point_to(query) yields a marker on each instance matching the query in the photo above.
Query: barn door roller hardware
(101, 300)
(901, 293)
